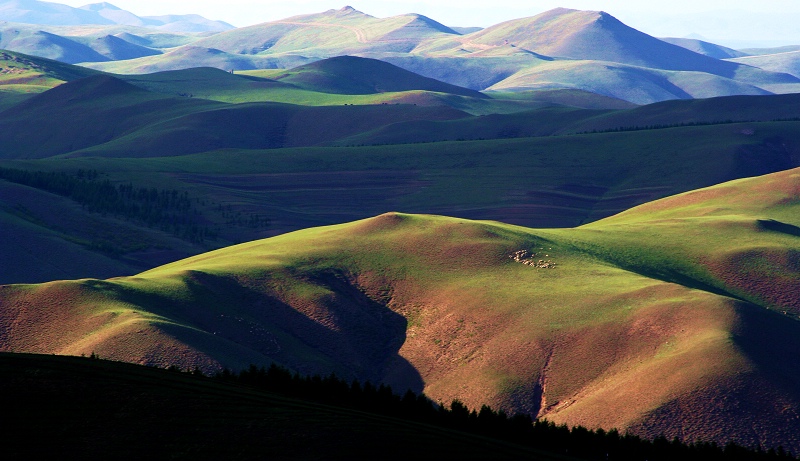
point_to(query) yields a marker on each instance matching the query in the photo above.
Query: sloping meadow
(625, 323)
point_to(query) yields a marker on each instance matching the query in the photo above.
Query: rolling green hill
(108, 116)
(104, 116)
(353, 75)
(23, 73)
(554, 181)
(628, 322)
(559, 120)
(84, 113)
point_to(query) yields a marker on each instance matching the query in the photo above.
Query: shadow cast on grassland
(352, 335)
(772, 342)
(778, 226)
(756, 406)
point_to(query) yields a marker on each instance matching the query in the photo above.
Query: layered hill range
(336, 140)
(96, 32)
(562, 48)
(679, 316)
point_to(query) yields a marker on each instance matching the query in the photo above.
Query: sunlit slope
(750, 239)
(640, 85)
(342, 31)
(705, 48)
(625, 323)
(22, 75)
(786, 61)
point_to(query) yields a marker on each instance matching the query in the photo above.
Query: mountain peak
(346, 10)
(100, 6)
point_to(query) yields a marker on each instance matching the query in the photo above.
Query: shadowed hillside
(352, 75)
(46, 45)
(84, 113)
(104, 116)
(115, 48)
(120, 119)
(623, 323)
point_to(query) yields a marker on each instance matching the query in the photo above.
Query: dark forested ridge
(101, 409)
(578, 442)
(168, 210)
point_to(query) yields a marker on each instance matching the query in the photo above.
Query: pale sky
(767, 22)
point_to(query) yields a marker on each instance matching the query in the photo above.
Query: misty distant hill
(55, 14)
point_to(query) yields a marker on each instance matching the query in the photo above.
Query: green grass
(651, 300)
(23, 74)
(544, 182)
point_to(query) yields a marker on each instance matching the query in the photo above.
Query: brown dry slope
(623, 323)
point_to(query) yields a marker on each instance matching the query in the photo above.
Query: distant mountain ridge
(705, 48)
(561, 48)
(47, 13)
(588, 51)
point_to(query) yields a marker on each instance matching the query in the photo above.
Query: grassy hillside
(307, 86)
(555, 181)
(106, 115)
(192, 55)
(787, 61)
(343, 31)
(98, 409)
(24, 74)
(353, 75)
(84, 113)
(50, 234)
(116, 48)
(82, 120)
(559, 120)
(705, 48)
(631, 83)
(623, 323)
(33, 41)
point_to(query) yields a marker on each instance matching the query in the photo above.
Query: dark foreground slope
(258, 413)
(103, 410)
(676, 317)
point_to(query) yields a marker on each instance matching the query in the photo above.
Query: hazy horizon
(733, 23)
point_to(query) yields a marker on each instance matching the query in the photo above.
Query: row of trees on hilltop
(169, 210)
(577, 442)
